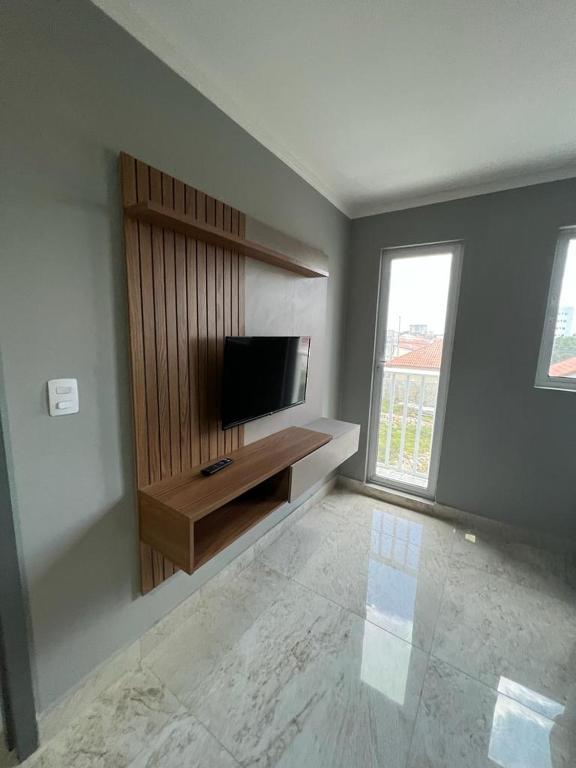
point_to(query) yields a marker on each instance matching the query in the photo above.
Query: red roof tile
(563, 368)
(429, 357)
(412, 344)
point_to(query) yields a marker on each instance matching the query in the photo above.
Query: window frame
(387, 254)
(543, 379)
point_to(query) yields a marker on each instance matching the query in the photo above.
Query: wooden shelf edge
(221, 488)
(159, 215)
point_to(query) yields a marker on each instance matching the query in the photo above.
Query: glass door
(418, 295)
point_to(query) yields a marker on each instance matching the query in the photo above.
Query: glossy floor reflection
(364, 636)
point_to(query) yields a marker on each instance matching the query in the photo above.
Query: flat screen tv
(262, 375)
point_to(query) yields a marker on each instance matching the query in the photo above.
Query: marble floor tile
(491, 628)
(114, 729)
(340, 498)
(462, 723)
(184, 743)
(310, 677)
(392, 581)
(54, 720)
(184, 659)
(367, 717)
(423, 530)
(317, 531)
(225, 582)
(512, 559)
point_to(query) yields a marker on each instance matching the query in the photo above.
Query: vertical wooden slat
(160, 324)
(171, 332)
(227, 223)
(146, 568)
(132, 251)
(193, 333)
(149, 342)
(241, 260)
(219, 333)
(202, 302)
(183, 333)
(159, 291)
(157, 567)
(149, 330)
(211, 332)
(173, 426)
(131, 247)
(241, 303)
(234, 294)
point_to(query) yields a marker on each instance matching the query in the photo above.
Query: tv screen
(262, 375)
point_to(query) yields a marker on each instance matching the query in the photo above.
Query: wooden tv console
(189, 518)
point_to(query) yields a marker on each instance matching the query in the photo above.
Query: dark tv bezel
(233, 424)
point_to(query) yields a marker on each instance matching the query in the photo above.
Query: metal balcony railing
(407, 413)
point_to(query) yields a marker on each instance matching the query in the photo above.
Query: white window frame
(456, 248)
(543, 379)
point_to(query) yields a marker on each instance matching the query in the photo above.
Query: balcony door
(416, 315)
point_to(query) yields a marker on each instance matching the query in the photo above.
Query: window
(557, 360)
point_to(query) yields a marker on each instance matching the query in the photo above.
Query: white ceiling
(383, 104)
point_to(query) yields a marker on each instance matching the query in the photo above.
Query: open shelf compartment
(219, 529)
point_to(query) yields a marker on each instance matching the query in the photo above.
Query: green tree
(564, 348)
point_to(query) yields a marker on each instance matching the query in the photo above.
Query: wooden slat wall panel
(184, 298)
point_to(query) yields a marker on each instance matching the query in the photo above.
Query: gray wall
(17, 707)
(508, 451)
(76, 90)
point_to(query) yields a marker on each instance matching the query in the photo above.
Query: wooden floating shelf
(160, 216)
(189, 518)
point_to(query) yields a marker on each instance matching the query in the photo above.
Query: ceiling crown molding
(472, 189)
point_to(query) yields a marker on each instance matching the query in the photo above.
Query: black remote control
(213, 468)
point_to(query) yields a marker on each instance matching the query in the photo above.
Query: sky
(568, 293)
(419, 292)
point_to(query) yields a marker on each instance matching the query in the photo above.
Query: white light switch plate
(63, 397)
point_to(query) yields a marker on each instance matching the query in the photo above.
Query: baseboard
(60, 714)
(399, 498)
(458, 517)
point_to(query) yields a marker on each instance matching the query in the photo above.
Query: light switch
(63, 397)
